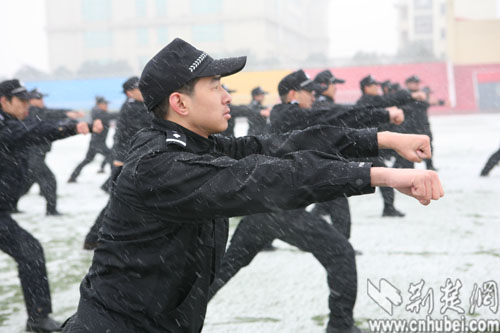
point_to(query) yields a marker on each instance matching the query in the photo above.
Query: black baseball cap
(131, 84)
(178, 63)
(258, 91)
(35, 94)
(326, 77)
(386, 84)
(367, 81)
(101, 99)
(298, 81)
(413, 78)
(12, 88)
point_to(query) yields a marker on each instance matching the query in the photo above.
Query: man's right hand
(97, 126)
(396, 115)
(423, 185)
(117, 163)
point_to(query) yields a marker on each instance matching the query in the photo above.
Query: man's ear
(291, 96)
(177, 102)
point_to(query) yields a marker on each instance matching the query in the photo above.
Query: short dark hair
(161, 110)
(283, 98)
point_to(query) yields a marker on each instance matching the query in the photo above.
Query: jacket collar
(180, 135)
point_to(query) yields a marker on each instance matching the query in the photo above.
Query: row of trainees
(259, 122)
(256, 114)
(160, 251)
(161, 246)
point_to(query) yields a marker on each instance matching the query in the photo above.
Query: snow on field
(286, 290)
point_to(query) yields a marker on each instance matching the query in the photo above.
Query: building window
(422, 4)
(161, 8)
(142, 37)
(141, 8)
(98, 38)
(206, 6)
(96, 10)
(423, 24)
(162, 35)
(208, 33)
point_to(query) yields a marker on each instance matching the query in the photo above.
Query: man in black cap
(16, 136)
(133, 118)
(39, 172)
(337, 210)
(418, 118)
(97, 143)
(257, 120)
(298, 227)
(165, 231)
(371, 97)
(328, 83)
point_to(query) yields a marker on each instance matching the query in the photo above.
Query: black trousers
(309, 233)
(339, 213)
(40, 173)
(94, 149)
(491, 163)
(28, 254)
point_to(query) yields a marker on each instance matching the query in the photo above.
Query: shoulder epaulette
(176, 138)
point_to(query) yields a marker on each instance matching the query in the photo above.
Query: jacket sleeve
(187, 187)
(56, 114)
(398, 98)
(241, 111)
(346, 142)
(35, 132)
(120, 138)
(356, 116)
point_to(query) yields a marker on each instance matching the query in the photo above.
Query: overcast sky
(367, 25)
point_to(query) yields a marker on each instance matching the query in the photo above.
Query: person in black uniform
(418, 118)
(98, 140)
(370, 97)
(257, 120)
(165, 231)
(298, 227)
(16, 136)
(38, 170)
(337, 210)
(133, 118)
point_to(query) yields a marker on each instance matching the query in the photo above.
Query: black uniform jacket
(257, 124)
(105, 117)
(45, 114)
(399, 98)
(16, 137)
(133, 117)
(165, 232)
(289, 116)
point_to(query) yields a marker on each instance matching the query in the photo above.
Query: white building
(425, 22)
(273, 33)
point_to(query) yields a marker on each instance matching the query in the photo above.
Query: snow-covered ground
(286, 290)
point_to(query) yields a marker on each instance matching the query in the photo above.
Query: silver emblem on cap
(197, 62)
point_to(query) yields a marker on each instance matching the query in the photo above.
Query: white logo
(176, 135)
(197, 62)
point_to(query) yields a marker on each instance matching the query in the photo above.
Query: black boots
(390, 211)
(46, 324)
